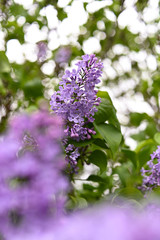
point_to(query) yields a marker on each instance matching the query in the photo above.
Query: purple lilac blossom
(76, 101)
(41, 51)
(151, 176)
(63, 55)
(99, 222)
(32, 186)
(110, 223)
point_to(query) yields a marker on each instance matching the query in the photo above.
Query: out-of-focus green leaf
(130, 155)
(141, 4)
(155, 85)
(33, 88)
(131, 193)
(4, 63)
(110, 134)
(95, 178)
(137, 118)
(139, 136)
(61, 14)
(88, 187)
(144, 150)
(99, 159)
(151, 129)
(124, 173)
(157, 137)
(18, 10)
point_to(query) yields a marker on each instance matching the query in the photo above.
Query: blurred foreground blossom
(33, 191)
(32, 186)
(76, 102)
(103, 222)
(113, 223)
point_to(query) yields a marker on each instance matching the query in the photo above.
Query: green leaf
(99, 159)
(88, 187)
(139, 136)
(4, 63)
(61, 14)
(130, 155)
(148, 132)
(18, 10)
(95, 178)
(136, 118)
(82, 203)
(157, 137)
(124, 172)
(141, 4)
(143, 150)
(155, 85)
(33, 88)
(80, 143)
(106, 110)
(110, 134)
(151, 129)
(100, 143)
(131, 193)
(85, 5)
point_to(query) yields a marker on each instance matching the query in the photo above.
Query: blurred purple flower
(110, 222)
(32, 185)
(41, 51)
(63, 55)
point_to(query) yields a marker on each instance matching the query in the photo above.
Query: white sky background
(66, 32)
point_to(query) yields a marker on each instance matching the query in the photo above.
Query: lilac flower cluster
(151, 176)
(32, 185)
(76, 101)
